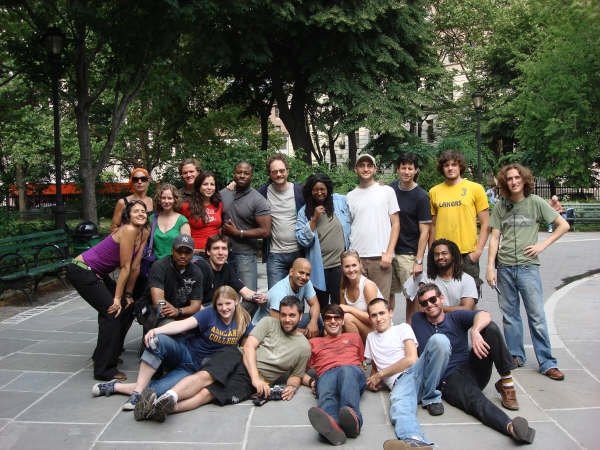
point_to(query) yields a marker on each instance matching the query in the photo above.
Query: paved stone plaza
(46, 378)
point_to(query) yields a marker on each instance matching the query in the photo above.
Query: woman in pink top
(89, 273)
(204, 211)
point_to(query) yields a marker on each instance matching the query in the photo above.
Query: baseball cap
(366, 156)
(183, 240)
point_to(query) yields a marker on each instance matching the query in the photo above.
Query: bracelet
(180, 312)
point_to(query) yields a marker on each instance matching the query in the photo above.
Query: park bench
(26, 259)
(583, 213)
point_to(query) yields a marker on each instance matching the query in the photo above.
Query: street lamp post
(54, 40)
(477, 99)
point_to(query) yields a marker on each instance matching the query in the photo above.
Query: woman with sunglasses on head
(89, 273)
(323, 230)
(211, 346)
(204, 211)
(355, 294)
(169, 223)
(139, 181)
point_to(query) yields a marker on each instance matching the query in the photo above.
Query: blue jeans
(174, 354)
(341, 386)
(419, 384)
(524, 280)
(245, 266)
(278, 266)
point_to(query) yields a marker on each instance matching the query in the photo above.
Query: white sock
(173, 394)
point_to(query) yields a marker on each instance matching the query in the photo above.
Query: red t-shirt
(328, 352)
(202, 231)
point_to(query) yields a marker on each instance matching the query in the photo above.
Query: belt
(80, 264)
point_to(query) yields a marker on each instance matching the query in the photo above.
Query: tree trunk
(264, 129)
(293, 117)
(21, 187)
(352, 149)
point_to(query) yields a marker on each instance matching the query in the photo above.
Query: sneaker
(349, 421)
(435, 409)
(508, 394)
(107, 389)
(129, 405)
(326, 426)
(145, 405)
(518, 362)
(403, 444)
(555, 374)
(163, 405)
(520, 430)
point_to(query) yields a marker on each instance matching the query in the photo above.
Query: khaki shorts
(402, 266)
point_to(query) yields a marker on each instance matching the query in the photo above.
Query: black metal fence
(567, 192)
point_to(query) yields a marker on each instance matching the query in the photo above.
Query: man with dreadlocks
(445, 269)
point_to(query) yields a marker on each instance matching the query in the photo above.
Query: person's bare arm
(421, 246)
(492, 253)
(484, 231)
(312, 329)
(386, 258)
(561, 227)
(249, 357)
(481, 320)
(432, 230)
(116, 218)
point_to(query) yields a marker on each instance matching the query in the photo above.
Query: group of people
(334, 265)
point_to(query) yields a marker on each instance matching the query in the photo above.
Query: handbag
(149, 257)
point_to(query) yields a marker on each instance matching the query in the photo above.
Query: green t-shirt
(518, 224)
(163, 242)
(279, 353)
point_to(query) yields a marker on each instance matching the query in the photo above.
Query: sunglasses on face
(139, 179)
(328, 317)
(430, 300)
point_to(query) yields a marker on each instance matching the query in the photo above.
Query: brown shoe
(508, 394)
(555, 374)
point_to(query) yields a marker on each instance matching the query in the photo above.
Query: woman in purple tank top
(89, 274)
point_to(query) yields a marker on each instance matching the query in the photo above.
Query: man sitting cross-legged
(336, 358)
(468, 371)
(393, 352)
(274, 349)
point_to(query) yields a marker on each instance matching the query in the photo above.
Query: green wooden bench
(26, 259)
(584, 213)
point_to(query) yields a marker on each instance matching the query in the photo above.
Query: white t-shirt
(387, 348)
(370, 211)
(453, 290)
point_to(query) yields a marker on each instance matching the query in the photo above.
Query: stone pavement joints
(46, 377)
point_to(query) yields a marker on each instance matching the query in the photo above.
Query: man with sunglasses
(468, 371)
(336, 359)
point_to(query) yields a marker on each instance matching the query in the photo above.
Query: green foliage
(12, 225)
(558, 98)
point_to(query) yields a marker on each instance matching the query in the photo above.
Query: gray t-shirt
(331, 239)
(279, 353)
(283, 219)
(518, 224)
(243, 208)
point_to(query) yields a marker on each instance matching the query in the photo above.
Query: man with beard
(336, 359)
(275, 352)
(246, 219)
(298, 284)
(467, 372)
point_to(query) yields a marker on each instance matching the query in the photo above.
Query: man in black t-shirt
(222, 273)
(177, 282)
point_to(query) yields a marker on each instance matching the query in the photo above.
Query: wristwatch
(419, 261)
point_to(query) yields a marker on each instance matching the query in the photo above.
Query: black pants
(333, 277)
(99, 293)
(463, 386)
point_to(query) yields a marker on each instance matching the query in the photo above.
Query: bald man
(298, 284)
